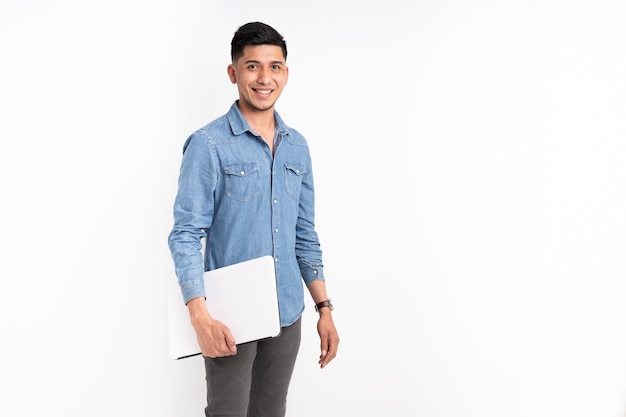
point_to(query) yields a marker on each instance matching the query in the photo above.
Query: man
(246, 187)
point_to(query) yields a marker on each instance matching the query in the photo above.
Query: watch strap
(325, 303)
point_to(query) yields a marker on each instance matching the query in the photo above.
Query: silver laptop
(243, 296)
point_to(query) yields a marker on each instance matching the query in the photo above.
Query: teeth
(264, 91)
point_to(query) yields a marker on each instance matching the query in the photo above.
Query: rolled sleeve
(192, 288)
(311, 271)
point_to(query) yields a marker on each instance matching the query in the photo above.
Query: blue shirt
(246, 204)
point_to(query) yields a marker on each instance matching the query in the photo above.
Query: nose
(263, 76)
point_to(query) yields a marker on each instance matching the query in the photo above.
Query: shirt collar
(239, 124)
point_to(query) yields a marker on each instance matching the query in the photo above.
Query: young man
(246, 186)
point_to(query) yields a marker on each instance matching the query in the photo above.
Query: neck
(259, 120)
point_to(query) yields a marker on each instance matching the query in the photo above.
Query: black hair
(255, 33)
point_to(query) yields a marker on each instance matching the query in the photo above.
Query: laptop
(243, 296)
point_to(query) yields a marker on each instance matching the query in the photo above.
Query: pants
(254, 382)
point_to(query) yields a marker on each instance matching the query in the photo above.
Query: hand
(329, 339)
(214, 337)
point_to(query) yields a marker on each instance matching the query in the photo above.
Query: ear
(232, 73)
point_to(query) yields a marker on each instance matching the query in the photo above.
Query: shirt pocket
(242, 181)
(293, 178)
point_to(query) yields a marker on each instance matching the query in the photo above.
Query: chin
(263, 107)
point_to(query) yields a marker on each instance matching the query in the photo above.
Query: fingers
(230, 344)
(217, 342)
(221, 350)
(328, 350)
(226, 346)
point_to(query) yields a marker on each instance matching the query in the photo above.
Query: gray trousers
(254, 382)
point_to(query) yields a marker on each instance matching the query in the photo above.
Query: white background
(470, 163)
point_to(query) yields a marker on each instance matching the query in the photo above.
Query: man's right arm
(193, 214)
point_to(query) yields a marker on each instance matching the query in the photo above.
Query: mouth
(262, 92)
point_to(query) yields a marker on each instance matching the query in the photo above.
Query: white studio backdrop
(470, 164)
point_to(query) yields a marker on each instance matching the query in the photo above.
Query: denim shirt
(246, 204)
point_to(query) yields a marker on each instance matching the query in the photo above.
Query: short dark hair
(255, 33)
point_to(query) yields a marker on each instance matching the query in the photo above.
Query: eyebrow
(254, 61)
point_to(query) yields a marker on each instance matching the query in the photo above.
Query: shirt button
(243, 173)
(275, 201)
(275, 259)
(276, 230)
(315, 271)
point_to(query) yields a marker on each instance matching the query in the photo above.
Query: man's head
(255, 33)
(259, 67)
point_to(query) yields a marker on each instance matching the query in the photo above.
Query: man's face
(260, 75)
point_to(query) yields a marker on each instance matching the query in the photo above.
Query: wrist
(197, 309)
(325, 306)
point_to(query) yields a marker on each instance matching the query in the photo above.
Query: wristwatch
(326, 303)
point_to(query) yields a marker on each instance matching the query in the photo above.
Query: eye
(252, 66)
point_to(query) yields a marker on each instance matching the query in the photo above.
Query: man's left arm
(309, 255)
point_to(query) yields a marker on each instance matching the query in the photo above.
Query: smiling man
(260, 74)
(246, 187)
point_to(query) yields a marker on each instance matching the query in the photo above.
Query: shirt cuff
(192, 289)
(311, 272)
